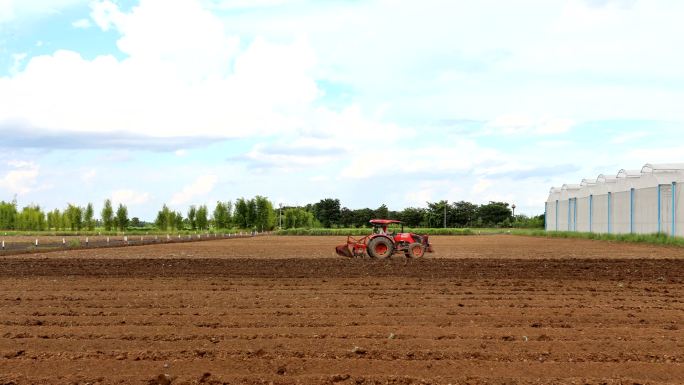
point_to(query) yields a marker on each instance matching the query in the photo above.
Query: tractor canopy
(380, 225)
(383, 221)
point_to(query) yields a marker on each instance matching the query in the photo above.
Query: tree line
(328, 213)
(254, 214)
(259, 214)
(73, 217)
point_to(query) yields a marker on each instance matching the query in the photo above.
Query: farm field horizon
(495, 309)
(496, 246)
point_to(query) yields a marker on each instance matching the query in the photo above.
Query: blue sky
(192, 101)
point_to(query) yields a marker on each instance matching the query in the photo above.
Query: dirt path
(213, 313)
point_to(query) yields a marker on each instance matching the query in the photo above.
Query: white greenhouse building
(645, 201)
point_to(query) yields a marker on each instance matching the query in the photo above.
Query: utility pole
(280, 216)
(446, 203)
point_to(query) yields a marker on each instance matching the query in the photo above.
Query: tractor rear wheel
(415, 250)
(380, 247)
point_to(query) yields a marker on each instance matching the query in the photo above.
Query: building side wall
(666, 213)
(563, 215)
(600, 214)
(551, 216)
(583, 214)
(679, 202)
(620, 212)
(650, 201)
(646, 210)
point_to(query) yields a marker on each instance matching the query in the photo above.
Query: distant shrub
(366, 231)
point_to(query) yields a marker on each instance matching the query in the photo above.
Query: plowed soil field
(283, 310)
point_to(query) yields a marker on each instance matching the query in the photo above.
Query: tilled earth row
(108, 319)
(662, 270)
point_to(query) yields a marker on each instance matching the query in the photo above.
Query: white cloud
(629, 137)
(319, 178)
(82, 24)
(419, 197)
(17, 59)
(129, 197)
(181, 153)
(190, 81)
(105, 14)
(454, 156)
(6, 11)
(21, 164)
(245, 4)
(202, 186)
(656, 154)
(22, 179)
(482, 186)
(88, 176)
(525, 125)
(11, 10)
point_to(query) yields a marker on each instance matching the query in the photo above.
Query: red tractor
(382, 244)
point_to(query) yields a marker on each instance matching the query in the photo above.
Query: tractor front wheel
(380, 247)
(415, 250)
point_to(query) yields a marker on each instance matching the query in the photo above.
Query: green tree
(166, 219)
(192, 217)
(53, 219)
(240, 215)
(31, 218)
(221, 216)
(108, 215)
(8, 215)
(495, 213)
(296, 217)
(229, 213)
(412, 216)
(265, 214)
(75, 215)
(463, 213)
(362, 216)
(346, 217)
(178, 221)
(121, 217)
(523, 221)
(251, 213)
(88, 217)
(382, 212)
(327, 211)
(435, 213)
(65, 223)
(135, 222)
(202, 218)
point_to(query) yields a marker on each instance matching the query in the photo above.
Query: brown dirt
(482, 310)
(490, 246)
